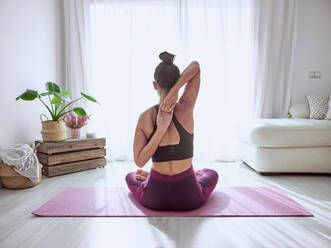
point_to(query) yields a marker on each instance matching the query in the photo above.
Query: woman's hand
(164, 119)
(169, 101)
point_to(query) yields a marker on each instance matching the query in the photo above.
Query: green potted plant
(59, 105)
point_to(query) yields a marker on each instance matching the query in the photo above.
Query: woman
(165, 133)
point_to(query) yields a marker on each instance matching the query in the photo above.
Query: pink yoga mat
(224, 201)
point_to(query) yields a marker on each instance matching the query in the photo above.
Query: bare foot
(141, 175)
(141, 178)
(198, 173)
(142, 172)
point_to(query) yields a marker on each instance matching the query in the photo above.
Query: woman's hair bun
(167, 58)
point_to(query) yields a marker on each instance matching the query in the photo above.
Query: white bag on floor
(23, 160)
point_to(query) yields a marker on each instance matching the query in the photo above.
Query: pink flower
(67, 120)
(73, 121)
(73, 117)
(82, 121)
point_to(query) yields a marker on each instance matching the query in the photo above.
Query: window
(127, 37)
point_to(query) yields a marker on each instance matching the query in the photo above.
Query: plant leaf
(67, 93)
(45, 94)
(56, 100)
(79, 111)
(28, 95)
(52, 87)
(88, 97)
(61, 96)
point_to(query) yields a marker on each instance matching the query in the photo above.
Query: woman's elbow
(196, 65)
(139, 163)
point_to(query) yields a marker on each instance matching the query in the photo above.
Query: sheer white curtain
(274, 28)
(127, 39)
(76, 30)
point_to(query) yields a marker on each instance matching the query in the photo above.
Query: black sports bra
(183, 150)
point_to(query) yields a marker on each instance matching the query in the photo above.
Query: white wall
(30, 55)
(313, 49)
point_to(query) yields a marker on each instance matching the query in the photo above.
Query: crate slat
(61, 158)
(70, 145)
(51, 171)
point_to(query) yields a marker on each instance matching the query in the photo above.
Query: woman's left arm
(190, 77)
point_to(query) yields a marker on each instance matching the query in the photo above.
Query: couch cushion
(287, 133)
(328, 115)
(318, 106)
(299, 110)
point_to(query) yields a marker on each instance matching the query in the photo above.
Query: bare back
(171, 137)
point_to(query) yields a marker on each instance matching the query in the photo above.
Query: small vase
(75, 133)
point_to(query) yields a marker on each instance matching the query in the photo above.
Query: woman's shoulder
(148, 115)
(151, 111)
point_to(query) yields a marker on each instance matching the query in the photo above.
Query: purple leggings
(180, 192)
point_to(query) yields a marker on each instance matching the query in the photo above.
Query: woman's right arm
(191, 76)
(142, 148)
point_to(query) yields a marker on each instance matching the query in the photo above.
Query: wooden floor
(18, 228)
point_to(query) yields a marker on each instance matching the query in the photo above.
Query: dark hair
(166, 73)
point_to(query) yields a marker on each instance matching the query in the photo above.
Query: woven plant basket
(12, 180)
(53, 130)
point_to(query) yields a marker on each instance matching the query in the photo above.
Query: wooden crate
(59, 158)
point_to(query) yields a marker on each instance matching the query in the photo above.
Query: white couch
(287, 145)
